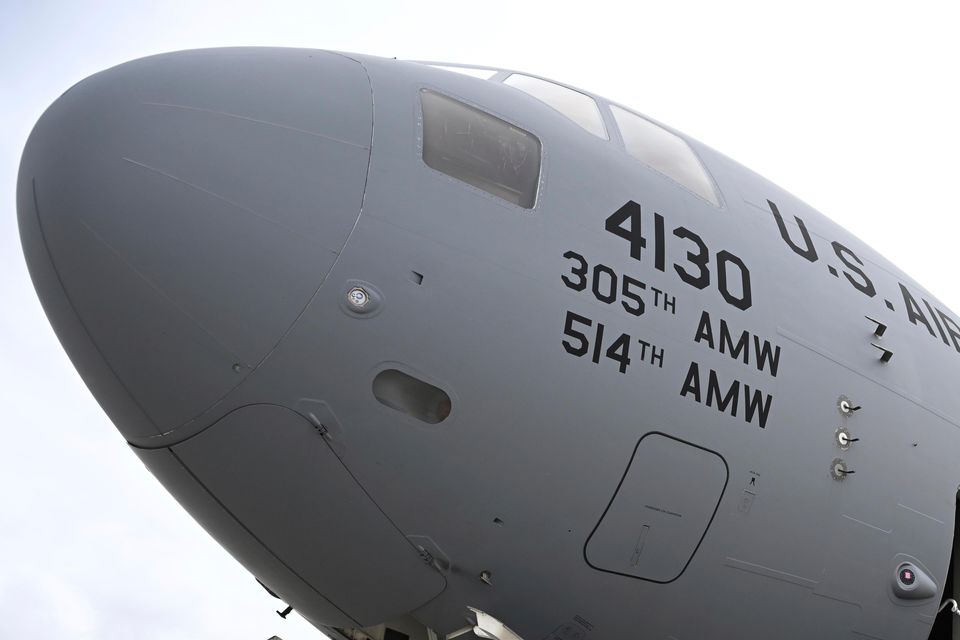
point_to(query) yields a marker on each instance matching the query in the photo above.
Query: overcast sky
(852, 106)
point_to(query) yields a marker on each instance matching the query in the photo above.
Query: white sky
(852, 106)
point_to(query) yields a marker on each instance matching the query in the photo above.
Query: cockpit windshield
(510, 176)
(480, 149)
(577, 106)
(664, 152)
(474, 72)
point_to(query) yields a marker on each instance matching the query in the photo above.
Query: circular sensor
(907, 575)
(912, 582)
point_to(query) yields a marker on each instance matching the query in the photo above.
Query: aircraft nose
(178, 212)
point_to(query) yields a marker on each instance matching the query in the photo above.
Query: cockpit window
(480, 149)
(665, 152)
(577, 106)
(476, 72)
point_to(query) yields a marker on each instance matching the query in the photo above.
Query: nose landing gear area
(293, 515)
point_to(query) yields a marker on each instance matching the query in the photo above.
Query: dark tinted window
(480, 149)
(412, 396)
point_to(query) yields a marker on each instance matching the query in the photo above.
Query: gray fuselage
(613, 412)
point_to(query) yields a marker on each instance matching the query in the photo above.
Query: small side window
(412, 396)
(480, 149)
(665, 152)
(577, 106)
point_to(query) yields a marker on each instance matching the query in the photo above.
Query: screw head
(358, 297)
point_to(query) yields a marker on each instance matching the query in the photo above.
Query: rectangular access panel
(660, 512)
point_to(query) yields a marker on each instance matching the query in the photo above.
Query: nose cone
(178, 212)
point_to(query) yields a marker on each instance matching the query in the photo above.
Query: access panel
(273, 471)
(660, 511)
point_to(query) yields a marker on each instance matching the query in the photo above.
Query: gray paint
(183, 189)
(267, 466)
(537, 440)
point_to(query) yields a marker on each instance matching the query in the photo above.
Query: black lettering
(952, 328)
(808, 251)
(914, 313)
(670, 303)
(726, 342)
(863, 285)
(691, 385)
(579, 349)
(643, 348)
(598, 344)
(713, 393)
(604, 294)
(632, 295)
(936, 321)
(765, 356)
(745, 300)
(580, 272)
(700, 259)
(659, 244)
(619, 352)
(756, 402)
(614, 224)
(704, 330)
(656, 356)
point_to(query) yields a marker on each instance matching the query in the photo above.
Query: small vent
(412, 396)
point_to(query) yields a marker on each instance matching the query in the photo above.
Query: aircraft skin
(198, 224)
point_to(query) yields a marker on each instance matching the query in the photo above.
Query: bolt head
(842, 437)
(838, 469)
(358, 297)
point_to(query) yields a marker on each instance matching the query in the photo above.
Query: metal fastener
(358, 297)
